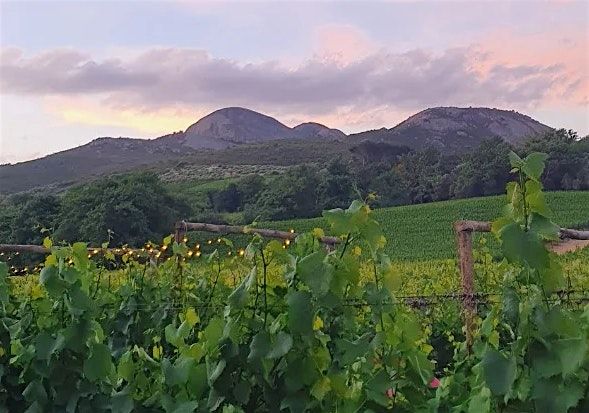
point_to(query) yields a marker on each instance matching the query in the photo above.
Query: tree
(336, 188)
(424, 174)
(567, 166)
(290, 195)
(135, 207)
(33, 215)
(225, 200)
(484, 171)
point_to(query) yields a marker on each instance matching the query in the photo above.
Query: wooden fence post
(466, 262)
(179, 231)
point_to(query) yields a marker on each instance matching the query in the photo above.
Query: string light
(190, 253)
(198, 253)
(241, 253)
(287, 242)
(185, 240)
(292, 230)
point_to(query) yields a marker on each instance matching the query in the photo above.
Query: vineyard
(298, 327)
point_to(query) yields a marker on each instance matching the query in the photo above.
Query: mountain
(99, 157)
(457, 129)
(236, 126)
(312, 129)
(222, 129)
(241, 136)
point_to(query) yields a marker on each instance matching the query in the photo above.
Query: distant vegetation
(138, 207)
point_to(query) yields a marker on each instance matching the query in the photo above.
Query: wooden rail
(39, 249)
(464, 230)
(182, 227)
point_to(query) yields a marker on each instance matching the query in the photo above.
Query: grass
(424, 232)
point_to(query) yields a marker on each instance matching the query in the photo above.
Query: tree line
(137, 207)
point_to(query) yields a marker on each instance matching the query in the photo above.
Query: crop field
(424, 232)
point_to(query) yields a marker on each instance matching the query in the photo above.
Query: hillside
(457, 129)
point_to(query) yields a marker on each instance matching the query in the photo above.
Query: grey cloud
(160, 77)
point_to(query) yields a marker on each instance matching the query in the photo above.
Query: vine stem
(265, 272)
(377, 282)
(522, 186)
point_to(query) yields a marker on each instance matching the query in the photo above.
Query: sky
(72, 71)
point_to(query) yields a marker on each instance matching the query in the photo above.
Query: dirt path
(568, 245)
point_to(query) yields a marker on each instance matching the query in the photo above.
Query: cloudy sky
(72, 71)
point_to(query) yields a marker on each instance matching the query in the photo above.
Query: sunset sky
(74, 71)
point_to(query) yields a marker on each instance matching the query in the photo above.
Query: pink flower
(434, 384)
(390, 393)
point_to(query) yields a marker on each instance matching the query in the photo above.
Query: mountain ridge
(450, 129)
(457, 129)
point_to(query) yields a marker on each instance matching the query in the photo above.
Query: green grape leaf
(315, 272)
(421, 365)
(49, 278)
(544, 227)
(571, 352)
(551, 397)
(480, 402)
(99, 364)
(242, 391)
(533, 165)
(377, 386)
(122, 402)
(80, 254)
(260, 346)
(321, 388)
(282, 344)
(499, 371)
(536, 200)
(177, 373)
(126, 366)
(238, 298)
(46, 345)
(510, 305)
(351, 350)
(217, 371)
(300, 312)
(35, 392)
(515, 160)
(523, 247)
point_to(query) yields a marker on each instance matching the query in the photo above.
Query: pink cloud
(565, 50)
(342, 43)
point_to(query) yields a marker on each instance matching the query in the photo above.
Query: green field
(422, 232)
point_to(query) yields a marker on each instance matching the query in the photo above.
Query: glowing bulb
(164, 247)
(198, 253)
(287, 242)
(292, 231)
(190, 253)
(241, 253)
